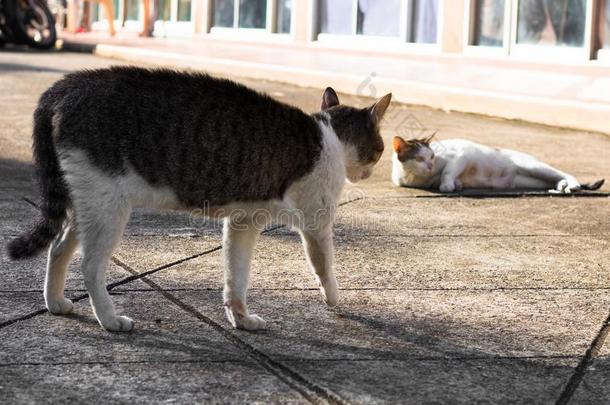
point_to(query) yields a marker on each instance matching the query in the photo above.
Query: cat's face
(358, 129)
(416, 155)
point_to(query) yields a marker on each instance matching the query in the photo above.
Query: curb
(589, 116)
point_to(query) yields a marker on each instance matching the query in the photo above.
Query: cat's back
(458, 146)
(206, 138)
(128, 84)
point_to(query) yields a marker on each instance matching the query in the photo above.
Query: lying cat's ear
(329, 99)
(428, 139)
(377, 110)
(399, 144)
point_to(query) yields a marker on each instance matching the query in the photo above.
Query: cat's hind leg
(100, 229)
(319, 251)
(239, 239)
(60, 253)
(553, 178)
(526, 182)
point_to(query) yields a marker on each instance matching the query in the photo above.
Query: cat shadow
(84, 319)
(513, 193)
(16, 178)
(158, 341)
(419, 338)
(21, 68)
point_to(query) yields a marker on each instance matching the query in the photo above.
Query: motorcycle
(28, 22)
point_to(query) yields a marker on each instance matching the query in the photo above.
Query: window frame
(602, 54)
(552, 53)
(172, 27)
(256, 34)
(511, 48)
(470, 30)
(377, 42)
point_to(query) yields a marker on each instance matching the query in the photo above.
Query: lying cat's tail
(593, 186)
(54, 192)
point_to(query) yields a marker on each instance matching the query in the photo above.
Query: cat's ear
(377, 110)
(428, 139)
(329, 99)
(399, 144)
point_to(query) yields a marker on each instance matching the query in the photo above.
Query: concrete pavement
(444, 300)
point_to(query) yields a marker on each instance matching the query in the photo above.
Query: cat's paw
(63, 306)
(458, 185)
(119, 324)
(330, 293)
(247, 322)
(447, 187)
(563, 187)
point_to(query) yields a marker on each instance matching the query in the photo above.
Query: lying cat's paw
(62, 306)
(458, 185)
(119, 324)
(447, 188)
(563, 187)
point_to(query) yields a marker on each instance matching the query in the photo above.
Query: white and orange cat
(455, 164)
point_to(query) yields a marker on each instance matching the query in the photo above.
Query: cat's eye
(419, 159)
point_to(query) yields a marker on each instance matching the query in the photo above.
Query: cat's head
(416, 155)
(358, 130)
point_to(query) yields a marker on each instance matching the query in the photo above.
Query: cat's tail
(54, 191)
(592, 186)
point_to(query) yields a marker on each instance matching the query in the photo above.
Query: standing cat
(457, 164)
(110, 140)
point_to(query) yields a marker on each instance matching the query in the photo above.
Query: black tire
(34, 27)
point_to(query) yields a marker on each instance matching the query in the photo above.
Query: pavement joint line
(466, 289)
(113, 362)
(293, 360)
(481, 235)
(586, 361)
(400, 235)
(311, 391)
(406, 358)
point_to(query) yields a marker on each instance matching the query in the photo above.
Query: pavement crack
(311, 391)
(365, 288)
(580, 370)
(406, 357)
(23, 318)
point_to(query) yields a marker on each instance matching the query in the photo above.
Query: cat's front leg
(319, 251)
(450, 177)
(239, 238)
(447, 186)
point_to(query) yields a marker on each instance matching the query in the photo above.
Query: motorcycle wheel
(34, 26)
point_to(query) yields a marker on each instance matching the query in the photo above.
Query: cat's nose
(430, 166)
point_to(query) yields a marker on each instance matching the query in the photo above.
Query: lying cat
(107, 141)
(456, 164)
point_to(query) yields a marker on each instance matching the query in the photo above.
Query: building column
(453, 24)
(302, 16)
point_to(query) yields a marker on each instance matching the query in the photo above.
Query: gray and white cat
(456, 164)
(110, 140)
